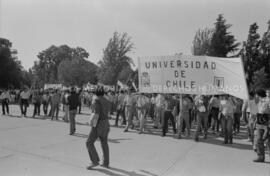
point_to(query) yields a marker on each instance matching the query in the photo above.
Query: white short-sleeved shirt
(25, 95)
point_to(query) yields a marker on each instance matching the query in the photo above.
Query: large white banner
(53, 86)
(192, 75)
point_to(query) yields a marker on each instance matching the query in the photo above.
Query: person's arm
(210, 105)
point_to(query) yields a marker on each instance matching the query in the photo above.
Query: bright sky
(157, 27)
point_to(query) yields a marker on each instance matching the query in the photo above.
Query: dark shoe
(92, 166)
(225, 142)
(105, 166)
(196, 139)
(259, 160)
(126, 130)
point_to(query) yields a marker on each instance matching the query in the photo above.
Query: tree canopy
(223, 42)
(115, 58)
(77, 71)
(46, 68)
(12, 74)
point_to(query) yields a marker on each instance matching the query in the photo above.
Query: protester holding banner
(170, 106)
(159, 111)
(184, 116)
(213, 108)
(201, 105)
(227, 109)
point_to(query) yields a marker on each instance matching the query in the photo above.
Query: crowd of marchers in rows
(220, 115)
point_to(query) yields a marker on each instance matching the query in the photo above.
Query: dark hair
(73, 90)
(99, 91)
(251, 93)
(261, 93)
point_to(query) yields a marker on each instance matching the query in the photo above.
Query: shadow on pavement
(215, 141)
(121, 172)
(116, 141)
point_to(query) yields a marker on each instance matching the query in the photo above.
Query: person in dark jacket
(73, 102)
(101, 107)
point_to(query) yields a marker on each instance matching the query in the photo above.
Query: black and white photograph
(134, 88)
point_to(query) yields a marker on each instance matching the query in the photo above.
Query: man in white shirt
(262, 126)
(159, 103)
(227, 110)
(25, 95)
(250, 110)
(6, 98)
(130, 108)
(214, 110)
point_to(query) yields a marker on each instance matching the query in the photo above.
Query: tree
(10, 66)
(115, 58)
(265, 50)
(250, 54)
(46, 68)
(77, 71)
(223, 42)
(202, 42)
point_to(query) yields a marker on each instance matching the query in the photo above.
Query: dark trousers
(5, 107)
(80, 107)
(45, 108)
(259, 142)
(121, 112)
(24, 106)
(168, 116)
(214, 118)
(227, 125)
(72, 114)
(101, 131)
(36, 109)
(55, 111)
(236, 124)
(202, 121)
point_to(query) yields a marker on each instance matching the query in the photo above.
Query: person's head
(251, 94)
(226, 96)
(260, 93)
(73, 90)
(100, 91)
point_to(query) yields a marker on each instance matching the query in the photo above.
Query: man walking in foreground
(101, 108)
(73, 103)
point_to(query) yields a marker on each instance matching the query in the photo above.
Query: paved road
(33, 147)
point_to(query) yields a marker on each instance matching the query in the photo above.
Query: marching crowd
(220, 115)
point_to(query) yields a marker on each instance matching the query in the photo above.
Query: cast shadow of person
(116, 141)
(112, 171)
